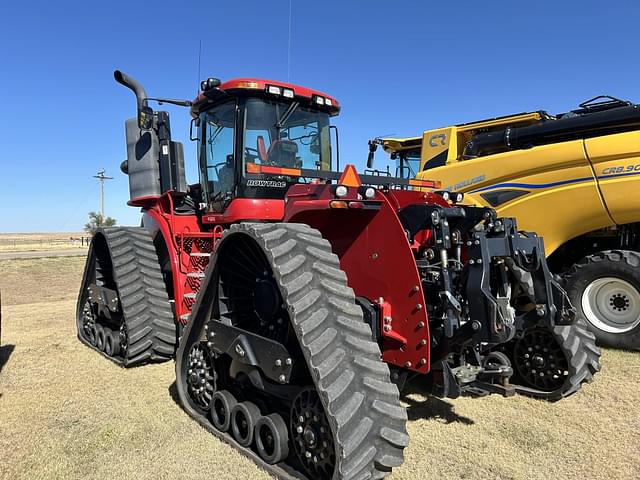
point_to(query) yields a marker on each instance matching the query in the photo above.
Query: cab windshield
(286, 135)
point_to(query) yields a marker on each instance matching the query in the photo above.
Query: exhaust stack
(145, 113)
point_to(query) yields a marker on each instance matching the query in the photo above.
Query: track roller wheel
(244, 417)
(111, 342)
(222, 403)
(495, 360)
(272, 438)
(92, 334)
(100, 334)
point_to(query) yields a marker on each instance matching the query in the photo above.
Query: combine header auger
(304, 298)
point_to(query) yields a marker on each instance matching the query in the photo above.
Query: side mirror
(372, 150)
(194, 122)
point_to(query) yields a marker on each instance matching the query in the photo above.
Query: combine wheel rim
(244, 417)
(272, 438)
(612, 305)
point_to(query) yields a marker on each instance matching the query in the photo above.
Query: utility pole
(102, 177)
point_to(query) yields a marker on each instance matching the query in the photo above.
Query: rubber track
(361, 402)
(579, 344)
(143, 296)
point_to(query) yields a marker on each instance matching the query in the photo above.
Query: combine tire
(124, 260)
(552, 364)
(341, 408)
(605, 290)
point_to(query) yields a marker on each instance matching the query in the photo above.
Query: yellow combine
(573, 178)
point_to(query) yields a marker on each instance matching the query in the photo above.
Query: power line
(102, 177)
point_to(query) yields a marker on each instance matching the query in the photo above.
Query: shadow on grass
(431, 408)
(5, 353)
(173, 393)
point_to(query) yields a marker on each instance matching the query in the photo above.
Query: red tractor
(299, 300)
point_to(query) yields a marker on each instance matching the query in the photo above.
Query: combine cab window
(217, 161)
(285, 135)
(408, 164)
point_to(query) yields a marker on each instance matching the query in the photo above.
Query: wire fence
(43, 242)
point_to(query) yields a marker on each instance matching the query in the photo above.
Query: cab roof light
(328, 102)
(273, 90)
(288, 93)
(318, 99)
(209, 84)
(247, 84)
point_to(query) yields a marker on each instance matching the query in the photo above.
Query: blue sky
(397, 67)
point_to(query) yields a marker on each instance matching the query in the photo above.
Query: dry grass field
(24, 242)
(67, 413)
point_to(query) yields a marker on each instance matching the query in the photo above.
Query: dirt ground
(66, 412)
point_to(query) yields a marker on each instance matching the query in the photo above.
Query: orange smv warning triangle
(350, 177)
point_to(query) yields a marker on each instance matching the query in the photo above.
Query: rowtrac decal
(266, 183)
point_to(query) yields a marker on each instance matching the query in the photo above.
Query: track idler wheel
(312, 439)
(272, 438)
(221, 405)
(201, 376)
(554, 363)
(244, 417)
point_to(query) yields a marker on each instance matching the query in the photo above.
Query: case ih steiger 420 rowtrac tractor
(298, 300)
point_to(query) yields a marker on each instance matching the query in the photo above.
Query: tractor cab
(257, 137)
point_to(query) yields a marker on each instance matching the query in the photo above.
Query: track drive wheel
(605, 290)
(554, 363)
(123, 262)
(282, 282)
